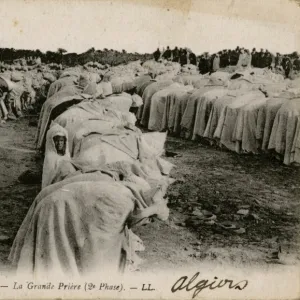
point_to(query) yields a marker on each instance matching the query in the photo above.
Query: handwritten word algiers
(184, 283)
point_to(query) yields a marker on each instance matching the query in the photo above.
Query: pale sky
(135, 25)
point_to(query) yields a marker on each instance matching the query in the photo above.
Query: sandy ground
(208, 179)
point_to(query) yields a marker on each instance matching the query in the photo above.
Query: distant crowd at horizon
(207, 63)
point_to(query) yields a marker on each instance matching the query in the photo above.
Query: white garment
(99, 90)
(9, 83)
(137, 101)
(106, 87)
(53, 160)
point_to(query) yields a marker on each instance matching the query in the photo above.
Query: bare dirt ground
(208, 179)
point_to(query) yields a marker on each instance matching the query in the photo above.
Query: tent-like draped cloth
(160, 106)
(144, 111)
(81, 227)
(68, 95)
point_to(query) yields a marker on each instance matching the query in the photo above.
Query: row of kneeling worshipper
(101, 178)
(102, 175)
(248, 111)
(24, 91)
(79, 97)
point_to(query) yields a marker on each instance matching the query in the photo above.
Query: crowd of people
(15, 95)
(100, 166)
(182, 56)
(20, 87)
(14, 100)
(240, 56)
(89, 135)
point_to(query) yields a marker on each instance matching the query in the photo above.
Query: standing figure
(278, 60)
(167, 54)
(13, 101)
(287, 65)
(193, 59)
(175, 53)
(296, 64)
(156, 54)
(203, 65)
(224, 59)
(4, 90)
(216, 63)
(183, 57)
(234, 56)
(269, 59)
(261, 59)
(248, 58)
(254, 58)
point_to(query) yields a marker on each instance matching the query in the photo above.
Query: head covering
(69, 73)
(106, 87)
(107, 75)
(53, 160)
(84, 80)
(17, 76)
(49, 77)
(10, 84)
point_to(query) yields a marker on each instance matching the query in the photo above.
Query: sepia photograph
(150, 149)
